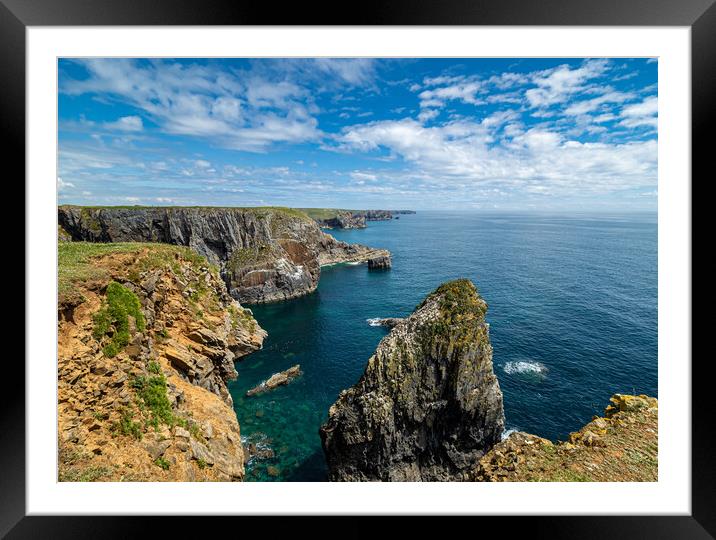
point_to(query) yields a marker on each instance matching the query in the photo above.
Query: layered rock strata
(264, 254)
(428, 405)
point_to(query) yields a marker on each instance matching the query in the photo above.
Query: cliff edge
(621, 446)
(428, 405)
(263, 254)
(147, 338)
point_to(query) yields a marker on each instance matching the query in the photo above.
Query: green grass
(295, 212)
(324, 213)
(76, 261)
(242, 317)
(161, 462)
(127, 425)
(154, 367)
(152, 391)
(462, 314)
(88, 474)
(120, 303)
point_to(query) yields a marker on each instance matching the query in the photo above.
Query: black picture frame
(17, 15)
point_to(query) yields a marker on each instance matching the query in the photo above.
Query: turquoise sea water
(572, 312)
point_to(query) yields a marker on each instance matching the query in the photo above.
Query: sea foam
(526, 367)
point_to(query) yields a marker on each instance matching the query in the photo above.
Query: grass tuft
(113, 318)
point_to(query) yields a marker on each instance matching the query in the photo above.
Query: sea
(572, 312)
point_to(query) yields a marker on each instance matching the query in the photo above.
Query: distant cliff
(328, 218)
(428, 405)
(264, 254)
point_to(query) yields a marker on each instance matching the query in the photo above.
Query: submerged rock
(428, 405)
(388, 322)
(277, 379)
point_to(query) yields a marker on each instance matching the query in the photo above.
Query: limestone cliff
(264, 254)
(428, 405)
(147, 338)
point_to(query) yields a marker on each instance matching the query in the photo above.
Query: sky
(360, 133)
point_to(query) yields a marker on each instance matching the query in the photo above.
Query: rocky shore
(621, 446)
(263, 254)
(147, 339)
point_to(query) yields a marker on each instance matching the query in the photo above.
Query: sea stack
(380, 263)
(428, 405)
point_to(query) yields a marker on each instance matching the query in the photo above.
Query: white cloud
(62, 185)
(462, 91)
(126, 123)
(459, 155)
(427, 114)
(558, 84)
(248, 113)
(641, 114)
(590, 105)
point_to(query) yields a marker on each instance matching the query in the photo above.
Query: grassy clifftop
(76, 261)
(622, 446)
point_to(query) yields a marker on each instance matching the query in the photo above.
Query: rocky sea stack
(428, 405)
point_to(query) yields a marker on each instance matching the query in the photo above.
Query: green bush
(120, 303)
(127, 425)
(153, 393)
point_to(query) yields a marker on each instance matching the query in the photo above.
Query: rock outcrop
(274, 381)
(388, 322)
(428, 405)
(343, 220)
(622, 446)
(264, 254)
(353, 219)
(380, 263)
(147, 339)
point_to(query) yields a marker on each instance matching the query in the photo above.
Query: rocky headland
(263, 254)
(428, 405)
(328, 218)
(147, 339)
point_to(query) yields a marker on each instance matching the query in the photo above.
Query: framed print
(431, 261)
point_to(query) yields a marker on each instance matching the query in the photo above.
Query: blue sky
(483, 134)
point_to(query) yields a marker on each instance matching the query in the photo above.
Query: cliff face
(428, 405)
(264, 254)
(344, 220)
(622, 446)
(147, 339)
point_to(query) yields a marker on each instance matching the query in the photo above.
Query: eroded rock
(428, 404)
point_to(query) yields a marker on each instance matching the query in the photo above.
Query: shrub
(127, 425)
(153, 393)
(120, 303)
